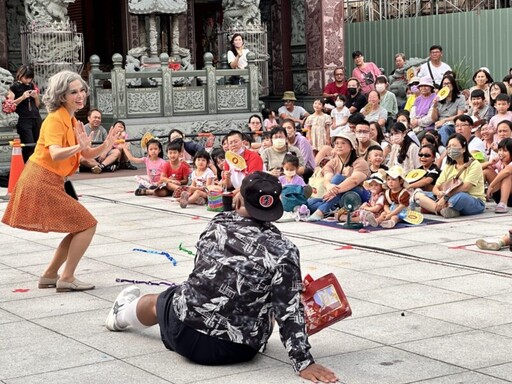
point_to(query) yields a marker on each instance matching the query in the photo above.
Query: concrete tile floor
(428, 306)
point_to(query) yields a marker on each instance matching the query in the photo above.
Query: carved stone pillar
(190, 27)
(281, 52)
(324, 42)
(3, 35)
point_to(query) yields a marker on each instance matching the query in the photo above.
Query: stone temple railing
(162, 92)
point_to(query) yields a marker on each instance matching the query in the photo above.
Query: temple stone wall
(324, 35)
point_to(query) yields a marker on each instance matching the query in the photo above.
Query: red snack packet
(324, 302)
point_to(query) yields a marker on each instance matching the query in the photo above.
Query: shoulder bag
(449, 185)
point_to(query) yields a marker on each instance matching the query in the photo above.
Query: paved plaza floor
(428, 306)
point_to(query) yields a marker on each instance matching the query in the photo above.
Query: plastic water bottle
(302, 213)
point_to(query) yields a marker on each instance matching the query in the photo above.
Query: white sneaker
(126, 296)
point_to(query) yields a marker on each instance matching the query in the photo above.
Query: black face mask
(352, 91)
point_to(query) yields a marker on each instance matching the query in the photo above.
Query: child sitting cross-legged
(202, 178)
(154, 164)
(396, 199)
(371, 210)
(175, 172)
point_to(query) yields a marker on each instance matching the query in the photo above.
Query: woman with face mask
(466, 199)
(404, 151)
(387, 99)
(273, 156)
(422, 109)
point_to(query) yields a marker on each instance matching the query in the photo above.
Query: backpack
(292, 196)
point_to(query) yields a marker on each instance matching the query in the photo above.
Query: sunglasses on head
(424, 155)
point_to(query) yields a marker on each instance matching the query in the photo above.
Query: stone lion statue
(9, 119)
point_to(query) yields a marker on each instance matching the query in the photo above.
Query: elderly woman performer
(39, 201)
(344, 172)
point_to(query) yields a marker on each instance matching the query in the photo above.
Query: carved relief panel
(333, 33)
(15, 13)
(298, 46)
(324, 41)
(276, 47)
(144, 101)
(298, 22)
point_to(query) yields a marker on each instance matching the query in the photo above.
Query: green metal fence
(481, 38)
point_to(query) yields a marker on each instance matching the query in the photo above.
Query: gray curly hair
(58, 85)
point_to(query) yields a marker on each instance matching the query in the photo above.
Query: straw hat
(289, 95)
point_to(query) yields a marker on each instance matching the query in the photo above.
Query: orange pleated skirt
(40, 203)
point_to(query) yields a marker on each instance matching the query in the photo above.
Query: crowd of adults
(362, 124)
(382, 125)
(435, 146)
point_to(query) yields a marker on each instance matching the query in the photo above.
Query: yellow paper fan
(144, 141)
(443, 93)
(236, 160)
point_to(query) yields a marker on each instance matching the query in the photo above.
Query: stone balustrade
(162, 92)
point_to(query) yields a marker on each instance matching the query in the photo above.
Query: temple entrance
(103, 23)
(208, 20)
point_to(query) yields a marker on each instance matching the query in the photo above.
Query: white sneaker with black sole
(126, 296)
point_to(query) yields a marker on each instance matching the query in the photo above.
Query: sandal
(177, 193)
(140, 192)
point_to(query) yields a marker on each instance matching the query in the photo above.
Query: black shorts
(194, 345)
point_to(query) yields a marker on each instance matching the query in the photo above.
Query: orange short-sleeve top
(57, 129)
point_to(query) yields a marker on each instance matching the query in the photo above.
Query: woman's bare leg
(59, 257)
(426, 202)
(78, 245)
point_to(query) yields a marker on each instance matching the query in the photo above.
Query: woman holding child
(344, 172)
(468, 198)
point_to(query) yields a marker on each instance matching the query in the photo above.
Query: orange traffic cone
(17, 165)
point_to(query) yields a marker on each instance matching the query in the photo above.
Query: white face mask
(380, 87)
(278, 143)
(241, 151)
(290, 173)
(339, 104)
